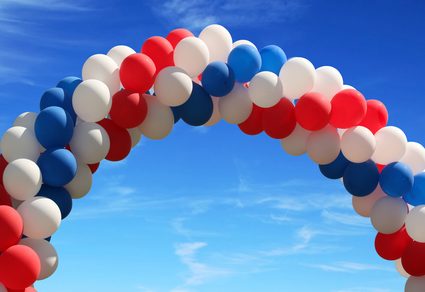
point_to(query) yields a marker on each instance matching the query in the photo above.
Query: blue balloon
(176, 114)
(361, 179)
(54, 127)
(336, 168)
(416, 196)
(272, 59)
(245, 60)
(60, 196)
(396, 179)
(46, 239)
(58, 167)
(68, 84)
(218, 79)
(198, 109)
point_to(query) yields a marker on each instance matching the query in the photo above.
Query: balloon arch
(48, 158)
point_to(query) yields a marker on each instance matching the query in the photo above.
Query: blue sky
(209, 209)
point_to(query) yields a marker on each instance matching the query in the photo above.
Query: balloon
(191, 54)
(297, 76)
(388, 214)
(5, 198)
(26, 120)
(413, 260)
(400, 269)
(415, 284)
(218, 41)
(361, 179)
(128, 109)
(414, 157)
(173, 86)
(90, 143)
(245, 60)
(22, 267)
(103, 68)
(272, 59)
(119, 138)
(68, 84)
(47, 254)
(348, 109)
(60, 196)
(391, 143)
(417, 194)
(265, 89)
(93, 167)
(175, 36)
(328, 81)
(22, 179)
(279, 120)
(54, 127)
(11, 227)
(218, 79)
(80, 185)
(376, 116)
(137, 73)
(198, 109)
(336, 168)
(159, 121)
(358, 144)
(216, 116)
(119, 53)
(323, 146)
(57, 97)
(396, 179)
(19, 142)
(363, 205)
(243, 42)
(236, 107)
(296, 143)
(160, 51)
(414, 223)
(253, 125)
(313, 111)
(58, 167)
(392, 246)
(135, 135)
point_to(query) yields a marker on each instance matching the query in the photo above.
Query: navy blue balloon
(416, 196)
(46, 239)
(272, 59)
(52, 97)
(176, 114)
(60, 196)
(198, 109)
(58, 167)
(396, 179)
(54, 127)
(218, 79)
(336, 168)
(245, 60)
(361, 179)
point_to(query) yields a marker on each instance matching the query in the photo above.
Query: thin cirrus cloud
(349, 267)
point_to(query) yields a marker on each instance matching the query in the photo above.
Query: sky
(211, 209)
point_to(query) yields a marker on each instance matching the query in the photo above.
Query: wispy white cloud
(363, 289)
(178, 225)
(344, 218)
(349, 267)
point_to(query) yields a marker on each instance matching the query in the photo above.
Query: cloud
(348, 267)
(345, 219)
(178, 225)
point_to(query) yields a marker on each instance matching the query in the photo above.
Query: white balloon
(391, 143)
(414, 157)
(265, 89)
(328, 81)
(235, 107)
(41, 217)
(191, 54)
(119, 53)
(243, 42)
(400, 269)
(216, 116)
(19, 142)
(218, 40)
(298, 76)
(26, 120)
(363, 205)
(415, 222)
(159, 121)
(103, 68)
(2, 288)
(90, 143)
(296, 143)
(358, 144)
(323, 146)
(81, 184)
(415, 284)
(388, 214)
(345, 86)
(173, 86)
(135, 135)
(47, 254)
(22, 179)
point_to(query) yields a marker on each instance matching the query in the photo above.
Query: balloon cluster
(48, 158)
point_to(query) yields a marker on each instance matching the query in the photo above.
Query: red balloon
(175, 36)
(392, 246)
(3, 164)
(380, 167)
(137, 72)
(313, 111)
(19, 267)
(160, 51)
(29, 289)
(413, 259)
(11, 227)
(93, 167)
(376, 116)
(120, 140)
(4, 197)
(279, 120)
(128, 109)
(348, 109)
(254, 124)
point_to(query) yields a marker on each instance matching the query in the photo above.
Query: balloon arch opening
(48, 158)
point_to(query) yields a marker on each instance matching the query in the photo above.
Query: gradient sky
(210, 209)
